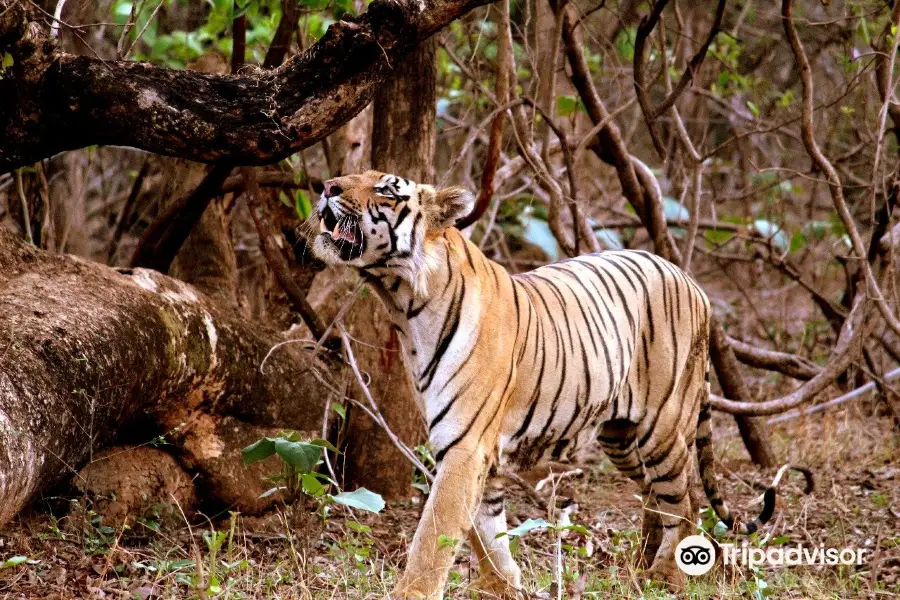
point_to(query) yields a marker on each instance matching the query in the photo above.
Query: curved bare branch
(846, 351)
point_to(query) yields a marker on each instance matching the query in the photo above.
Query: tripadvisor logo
(695, 555)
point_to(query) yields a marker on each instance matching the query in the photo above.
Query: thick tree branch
(772, 360)
(166, 235)
(162, 241)
(253, 119)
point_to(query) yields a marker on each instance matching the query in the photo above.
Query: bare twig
(275, 259)
(143, 29)
(486, 192)
(129, 25)
(641, 87)
(852, 395)
(26, 217)
(693, 65)
(238, 40)
(834, 181)
(125, 214)
(374, 413)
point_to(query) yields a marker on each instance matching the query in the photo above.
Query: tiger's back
(607, 337)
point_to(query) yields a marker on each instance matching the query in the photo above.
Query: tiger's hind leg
(670, 468)
(651, 530)
(618, 438)
(499, 575)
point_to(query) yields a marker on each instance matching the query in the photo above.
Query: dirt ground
(856, 459)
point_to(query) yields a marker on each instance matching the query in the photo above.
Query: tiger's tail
(708, 474)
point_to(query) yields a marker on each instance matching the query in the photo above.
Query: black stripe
(443, 452)
(404, 212)
(438, 417)
(445, 340)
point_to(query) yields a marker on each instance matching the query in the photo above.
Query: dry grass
(357, 556)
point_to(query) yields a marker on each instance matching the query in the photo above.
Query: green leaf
(324, 444)
(7, 61)
(717, 237)
(445, 541)
(13, 562)
(311, 485)
(529, 525)
(625, 43)
(566, 105)
(302, 204)
(258, 450)
(214, 539)
(798, 241)
(359, 527)
(340, 409)
(181, 564)
(362, 499)
(303, 456)
(577, 529)
(214, 586)
(786, 99)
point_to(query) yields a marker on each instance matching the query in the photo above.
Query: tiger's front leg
(446, 520)
(500, 576)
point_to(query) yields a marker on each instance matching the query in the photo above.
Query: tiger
(512, 370)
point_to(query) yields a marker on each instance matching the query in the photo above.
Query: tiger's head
(383, 222)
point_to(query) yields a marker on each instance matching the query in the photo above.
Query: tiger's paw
(492, 586)
(405, 590)
(667, 574)
(404, 594)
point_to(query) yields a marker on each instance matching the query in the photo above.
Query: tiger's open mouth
(344, 233)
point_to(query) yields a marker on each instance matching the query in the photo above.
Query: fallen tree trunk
(86, 351)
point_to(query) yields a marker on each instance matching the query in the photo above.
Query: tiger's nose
(332, 189)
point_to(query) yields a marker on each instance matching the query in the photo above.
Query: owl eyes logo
(695, 555)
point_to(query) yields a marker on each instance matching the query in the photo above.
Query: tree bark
(250, 120)
(403, 142)
(732, 381)
(88, 353)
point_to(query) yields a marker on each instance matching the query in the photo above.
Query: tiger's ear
(446, 206)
